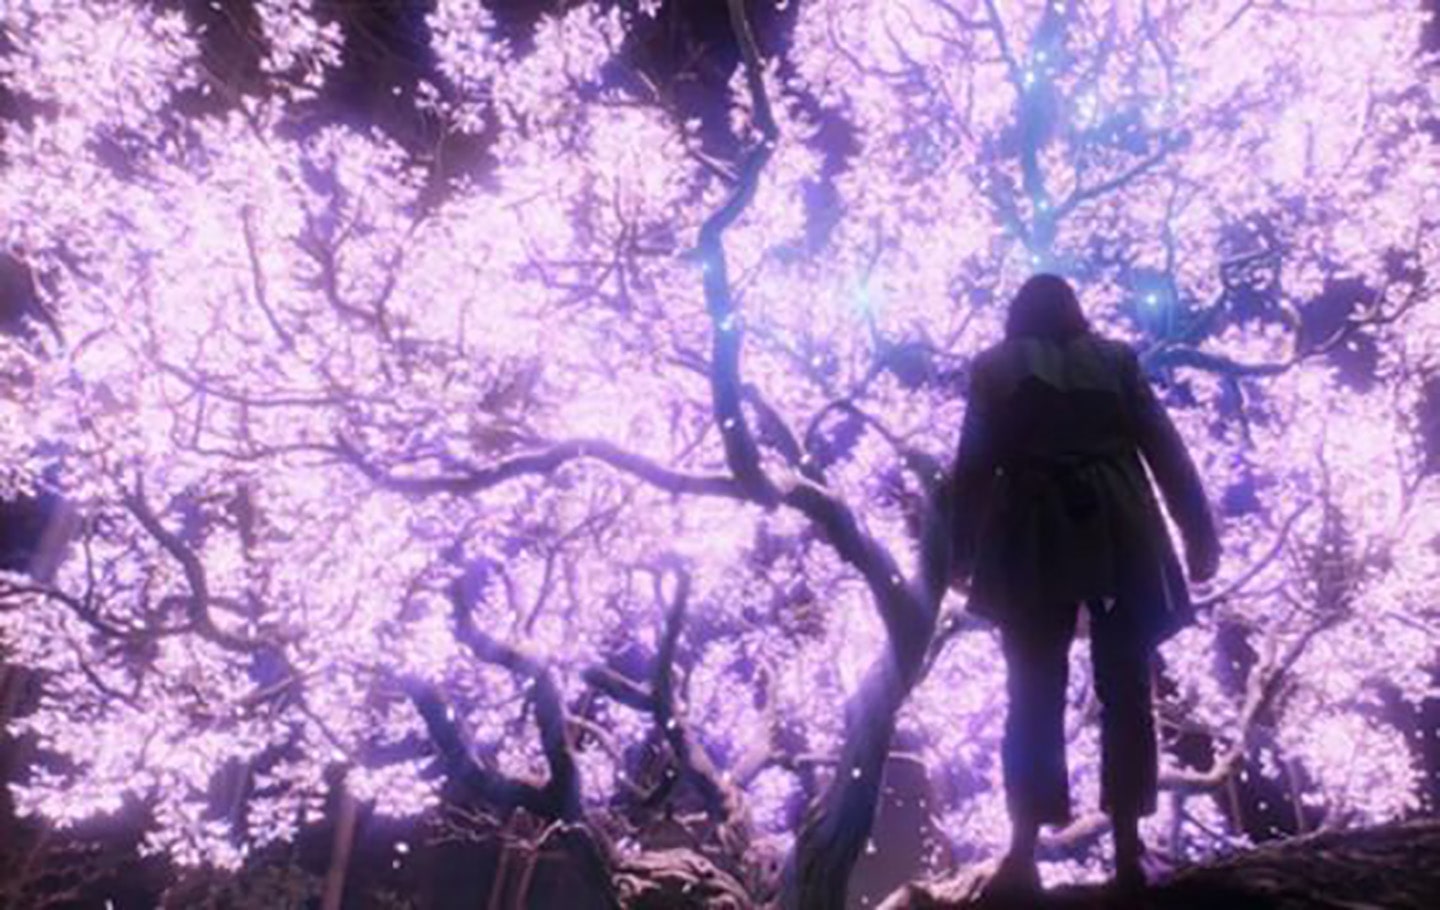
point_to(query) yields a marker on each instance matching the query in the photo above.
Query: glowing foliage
(242, 307)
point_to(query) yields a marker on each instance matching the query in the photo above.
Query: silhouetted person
(1053, 511)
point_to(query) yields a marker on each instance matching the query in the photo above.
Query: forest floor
(1396, 866)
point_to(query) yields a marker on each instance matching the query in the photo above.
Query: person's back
(1062, 397)
(1052, 509)
(1060, 508)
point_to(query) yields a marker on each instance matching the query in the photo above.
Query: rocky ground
(1391, 867)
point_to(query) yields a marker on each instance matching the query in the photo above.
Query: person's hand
(1202, 558)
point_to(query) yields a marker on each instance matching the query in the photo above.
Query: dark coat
(1049, 497)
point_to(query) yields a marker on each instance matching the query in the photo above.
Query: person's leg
(1033, 752)
(1122, 659)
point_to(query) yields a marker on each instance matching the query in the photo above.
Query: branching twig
(1259, 565)
(198, 603)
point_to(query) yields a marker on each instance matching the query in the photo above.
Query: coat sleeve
(1168, 460)
(972, 475)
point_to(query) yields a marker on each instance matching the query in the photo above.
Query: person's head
(1045, 307)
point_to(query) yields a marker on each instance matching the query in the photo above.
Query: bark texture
(1395, 867)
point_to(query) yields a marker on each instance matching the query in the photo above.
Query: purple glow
(226, 320)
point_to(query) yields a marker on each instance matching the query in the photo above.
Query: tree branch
(198, 603)
(722, 801)
(1266, 559)
(546, 461)
(257, 279)
(460, 766)
(741, 454)
(562, 791)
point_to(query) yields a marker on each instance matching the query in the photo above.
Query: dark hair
(1045, 306)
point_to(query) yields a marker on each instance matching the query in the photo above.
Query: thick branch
(620, 688)
(741, 453)
(563, 788)
(839, 822)
(903, 610)
(543, 462)
(721, 800)
(198, 603)
(460, 766)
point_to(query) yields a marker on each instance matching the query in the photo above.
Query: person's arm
(1174, 472)
(971, 477)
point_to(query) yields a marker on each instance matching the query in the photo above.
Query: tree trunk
(346, 816)
(838, 825)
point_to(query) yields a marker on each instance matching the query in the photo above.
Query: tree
(593, 483)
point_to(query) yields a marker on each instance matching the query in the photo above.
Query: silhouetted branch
(1081, 195)
(722, 801)
(774, 426)
(1219, 363)
(741, 454)
(324, 251)
(1264, 684)
(199, 601)
(1259, 565)
(621, 688)
(257, 280)
(997, 25)
(543, 462)
(563, 787)
(961, 20)
(899, 604)
(494, 789)
(839, 822)
(83, 609)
